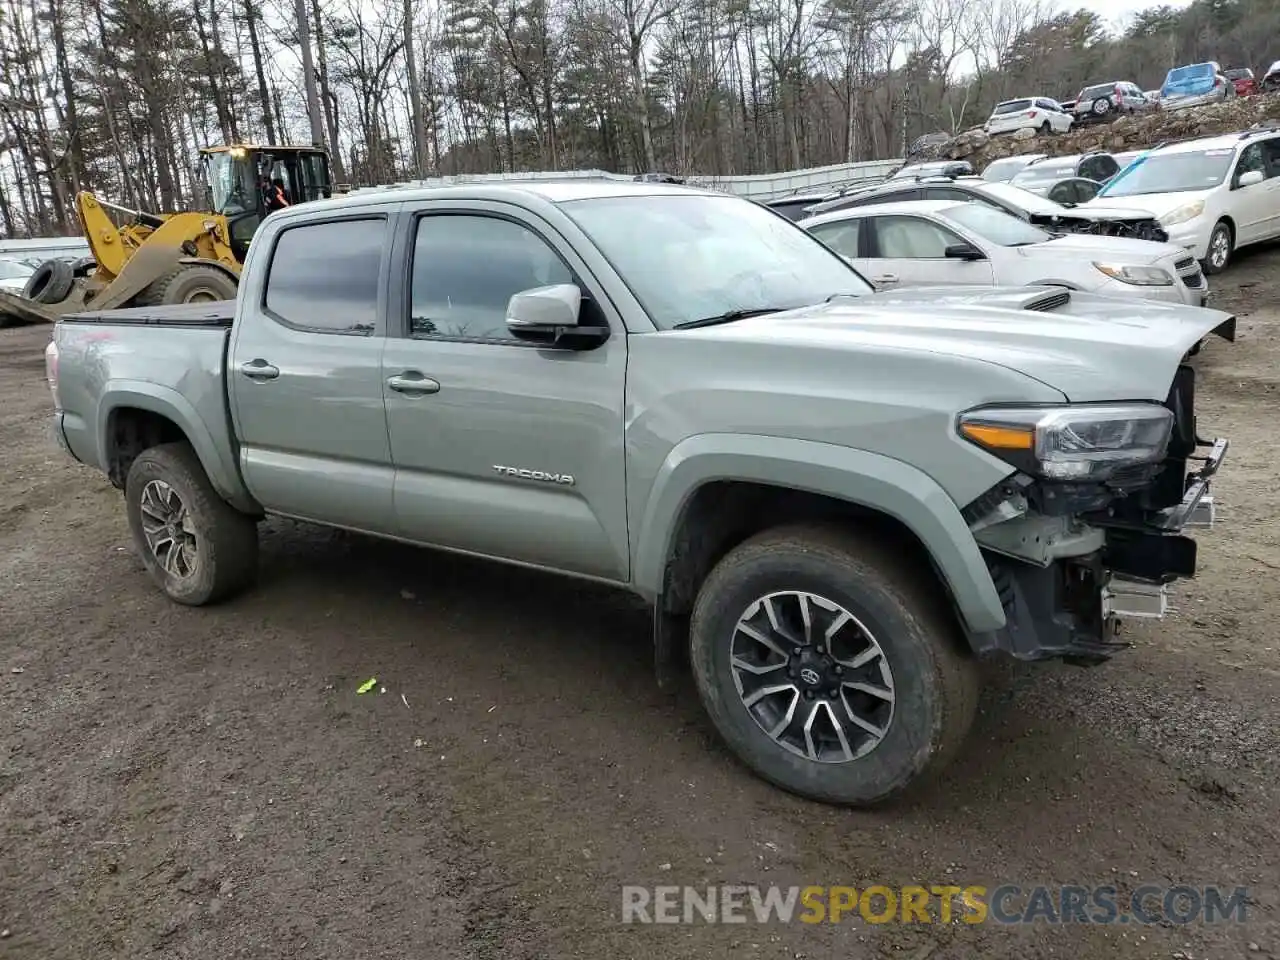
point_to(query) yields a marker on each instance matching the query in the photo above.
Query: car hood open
(1090, 348)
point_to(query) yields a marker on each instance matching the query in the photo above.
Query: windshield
(1001, 170)
(1011, 106)
(1171, 173)
(1197, 78)
(1020, 199)
(1039, 177)
(230, 182)
(691, 256)
(14, 270)
(995, 225)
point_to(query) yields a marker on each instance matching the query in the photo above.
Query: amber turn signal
(999, 438)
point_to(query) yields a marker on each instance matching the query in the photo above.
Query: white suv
(1213, 195)
(1030, 113)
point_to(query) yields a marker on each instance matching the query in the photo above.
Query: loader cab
(240, 178)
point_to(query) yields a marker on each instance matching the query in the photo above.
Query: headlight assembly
(1138, 276)
(1085, 443)
(1188, 211)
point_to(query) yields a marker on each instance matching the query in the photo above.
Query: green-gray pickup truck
(835, 501)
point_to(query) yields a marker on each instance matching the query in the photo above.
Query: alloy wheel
(165, 526)
(812, 676)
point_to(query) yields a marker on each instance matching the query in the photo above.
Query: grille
(1184, 263)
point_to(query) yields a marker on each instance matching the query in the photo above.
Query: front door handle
(887, 278)
(413, 384)
(259, 370)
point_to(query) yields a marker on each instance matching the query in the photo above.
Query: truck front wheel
(831, 665)
(196, 546)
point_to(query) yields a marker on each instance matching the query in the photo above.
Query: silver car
(1102, 101)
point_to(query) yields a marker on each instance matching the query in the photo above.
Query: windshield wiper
(728, 316)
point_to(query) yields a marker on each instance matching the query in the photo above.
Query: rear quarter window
(325, 276)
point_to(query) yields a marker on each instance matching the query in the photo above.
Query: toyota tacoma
(834, 501)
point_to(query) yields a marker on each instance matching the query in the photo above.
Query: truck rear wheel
(190, 283)
(196, 546)
(830, 665)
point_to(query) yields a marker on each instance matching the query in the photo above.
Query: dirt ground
(208, 784)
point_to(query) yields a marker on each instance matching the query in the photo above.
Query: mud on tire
(931, 675)
(196, 546)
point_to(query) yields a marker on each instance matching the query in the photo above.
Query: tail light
(1031, 113)
(51, 371)
(1117, 92)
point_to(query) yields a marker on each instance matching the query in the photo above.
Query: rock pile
(1124, 133)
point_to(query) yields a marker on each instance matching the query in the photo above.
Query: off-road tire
(226, 540)
(189, 283)
(1224, 229)
(83, 267)
(51, 283)
(935, 677)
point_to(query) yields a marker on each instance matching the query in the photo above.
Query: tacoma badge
(564, 479)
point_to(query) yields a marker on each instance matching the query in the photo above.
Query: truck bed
(217, 313)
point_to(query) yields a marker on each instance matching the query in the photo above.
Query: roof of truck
(554, 191)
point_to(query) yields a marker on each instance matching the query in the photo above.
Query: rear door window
(325, 277)
(1101, 167)
(843, 236)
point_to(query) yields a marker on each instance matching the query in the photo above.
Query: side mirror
(963, 251)
(549, 316)
(1249, 178)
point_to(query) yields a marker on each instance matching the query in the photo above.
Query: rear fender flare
(168, 403)
(876, 482)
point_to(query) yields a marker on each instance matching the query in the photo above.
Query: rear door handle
(887, 278)
(259, 370)
(413, 384)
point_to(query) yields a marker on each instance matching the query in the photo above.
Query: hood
(1136, 252)
(1154, 205)
(1104, 209)
(1088, 347)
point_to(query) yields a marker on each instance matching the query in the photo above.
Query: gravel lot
(207, 783)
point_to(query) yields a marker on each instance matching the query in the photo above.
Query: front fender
(879, 483)
(216, 459)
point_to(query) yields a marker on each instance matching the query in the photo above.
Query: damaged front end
(1134, 228)
(1088, 531)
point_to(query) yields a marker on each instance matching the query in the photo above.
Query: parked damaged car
(1097, 219)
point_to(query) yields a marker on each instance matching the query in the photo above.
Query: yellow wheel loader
(154, 259)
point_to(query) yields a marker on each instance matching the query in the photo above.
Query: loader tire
(51, 283)
(191, 283)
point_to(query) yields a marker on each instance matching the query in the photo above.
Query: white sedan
(941, 242)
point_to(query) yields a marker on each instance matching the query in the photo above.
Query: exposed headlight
(1082, 443)
(1183, 213)
(1138, 276)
